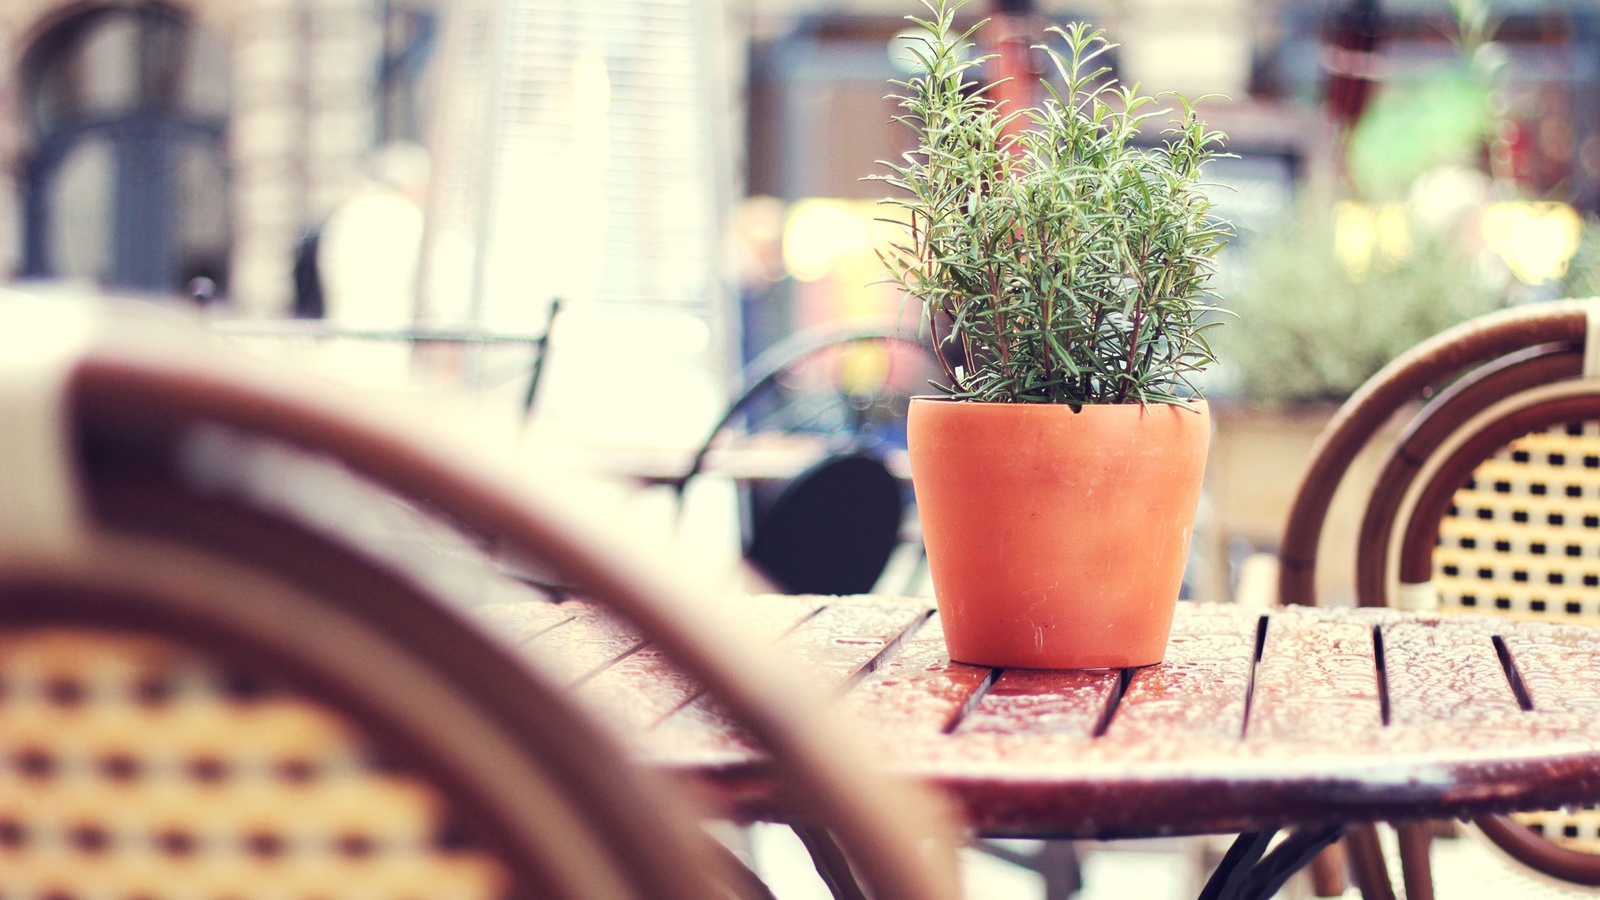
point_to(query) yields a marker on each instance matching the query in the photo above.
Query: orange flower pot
(1057, 540)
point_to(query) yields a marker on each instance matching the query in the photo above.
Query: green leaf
(1071, 264)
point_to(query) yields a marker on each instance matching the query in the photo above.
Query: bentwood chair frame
(1484, 384)
(474, 339)
(833, 528)
(143, 485)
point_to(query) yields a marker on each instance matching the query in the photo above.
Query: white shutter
(577, 149)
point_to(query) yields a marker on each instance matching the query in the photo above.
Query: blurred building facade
(600, 151)
(581, 151)
(145, 144)
(1377, 102)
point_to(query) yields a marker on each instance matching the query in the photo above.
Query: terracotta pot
(1056, 539)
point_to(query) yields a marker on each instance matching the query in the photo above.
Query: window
(127, 182)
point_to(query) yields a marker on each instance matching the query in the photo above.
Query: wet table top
(1256, 719)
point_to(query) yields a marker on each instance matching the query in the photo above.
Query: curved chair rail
(782, 357)
(138, 381)
(1411, 376)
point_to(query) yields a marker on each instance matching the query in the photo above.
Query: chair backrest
(1489, 501)
(832, 529)
(206, 680)
(1494, 461)
(143, 762)
(852, 380)
(850, 388)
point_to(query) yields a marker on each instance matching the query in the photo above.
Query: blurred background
(687, 177)
(398, 192)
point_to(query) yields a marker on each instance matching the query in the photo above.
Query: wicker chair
(1489, 503)
(209, 687)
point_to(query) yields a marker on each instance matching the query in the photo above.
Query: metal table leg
(1248, 872)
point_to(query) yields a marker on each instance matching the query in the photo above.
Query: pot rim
(1196, 405)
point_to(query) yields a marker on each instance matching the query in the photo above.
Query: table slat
(1317, 680)
(1559, 666)
(641, 689)
(519, 622)
(769, 617)
(1040, 702)
(583, 645)
(918, 693)
(831, 649)
(1197, 693)
(1447, 671)
(835, 646)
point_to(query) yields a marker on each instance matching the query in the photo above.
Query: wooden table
(1257, 719)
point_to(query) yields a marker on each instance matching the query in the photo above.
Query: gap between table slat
(919, 693)
(1513, 676)
(1118, 690)
(1255, 666)
(1381, 660)
(1197, 694)
(1448, 677)
(831, 648)
(642, 689)
(1317, 678)
(583, 646)
(1559, 666)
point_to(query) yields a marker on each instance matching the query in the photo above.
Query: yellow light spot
(1394, 231)
(820, 233)
(1535, 239)
(1354, 234)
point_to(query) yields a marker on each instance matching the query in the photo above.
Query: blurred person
(366, 257)
(308, 299)
(367, 253)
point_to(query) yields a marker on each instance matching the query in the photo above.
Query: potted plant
(1062, 269)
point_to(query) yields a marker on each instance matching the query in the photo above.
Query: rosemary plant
(1060, 262)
